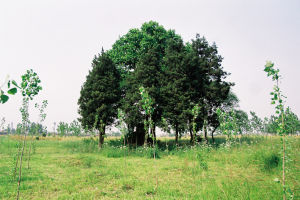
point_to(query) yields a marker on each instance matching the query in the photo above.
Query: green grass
(73, 168)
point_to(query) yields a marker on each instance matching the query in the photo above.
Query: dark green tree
(175, 86)
(138, 56)
(100, 95)
(206, 77)
(148, 74)
(177, 77)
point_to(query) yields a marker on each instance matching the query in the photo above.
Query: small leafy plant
(228, 124)
(30, 87)
(277, 100)
(147, 105)
(195, 113)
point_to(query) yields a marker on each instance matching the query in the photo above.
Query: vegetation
(151, 79)
(11, 90)
(177, 76)
(74, 168)
(100, 95)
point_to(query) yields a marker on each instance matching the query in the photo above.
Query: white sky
(59, 38)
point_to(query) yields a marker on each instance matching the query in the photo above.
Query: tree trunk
(101, 136)
(192, 140)
(146, 134)
(212, 135)
(176, 133)
(153, 133)
(205, 132)
(140, 134)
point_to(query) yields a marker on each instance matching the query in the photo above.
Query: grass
(74, 168)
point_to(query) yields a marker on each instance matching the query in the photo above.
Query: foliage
(75, 128)
(147, 105)
(195, 113)
(174, 89)
(292, 122)
(30, 87)
(256, 123)
(121, 123)
(11, 90)
(176, 76)
(228, 124)
(243, 122)
(100, 95)
(277, 100)
(63, 128)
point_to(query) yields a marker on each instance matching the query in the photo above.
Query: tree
(176, 76)
(243, 122)
(138, 56)
(75, 128)
(292, 123)
(100, 95)
(207, 85)
(147, 75)
(174, 90)
(63, 128)
(256, 122)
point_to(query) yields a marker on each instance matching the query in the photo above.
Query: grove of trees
(177, 76)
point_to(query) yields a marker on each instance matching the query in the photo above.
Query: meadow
(75, 168)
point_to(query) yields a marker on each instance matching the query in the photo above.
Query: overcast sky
(59, 38)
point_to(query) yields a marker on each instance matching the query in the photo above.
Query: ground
(74, 168)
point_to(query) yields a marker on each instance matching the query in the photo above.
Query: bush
(268, 160)
(271, 161)
(151, 152)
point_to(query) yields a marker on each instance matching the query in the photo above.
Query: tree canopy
(176, 75)
(100, 95)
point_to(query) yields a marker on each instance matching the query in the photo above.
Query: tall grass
(72, 168)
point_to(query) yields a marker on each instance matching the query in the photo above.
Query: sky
(59, 38)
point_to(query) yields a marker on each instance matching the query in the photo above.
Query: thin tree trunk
(205, 132)
(29, 153)
(146, 134)
(101, 136)
(283, 154)
(212, 135)
(192, 139)
(154, 132)
(20, 169)
(176, 134)
(30, 150)
(136, 142)
(17, 160)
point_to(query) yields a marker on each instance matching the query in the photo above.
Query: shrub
(151, 152)
(271, 161)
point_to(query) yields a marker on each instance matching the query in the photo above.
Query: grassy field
(74, 168)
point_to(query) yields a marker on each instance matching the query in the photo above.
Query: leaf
(8, 84)
(4, 98)
(15, 83)
(12, 91)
